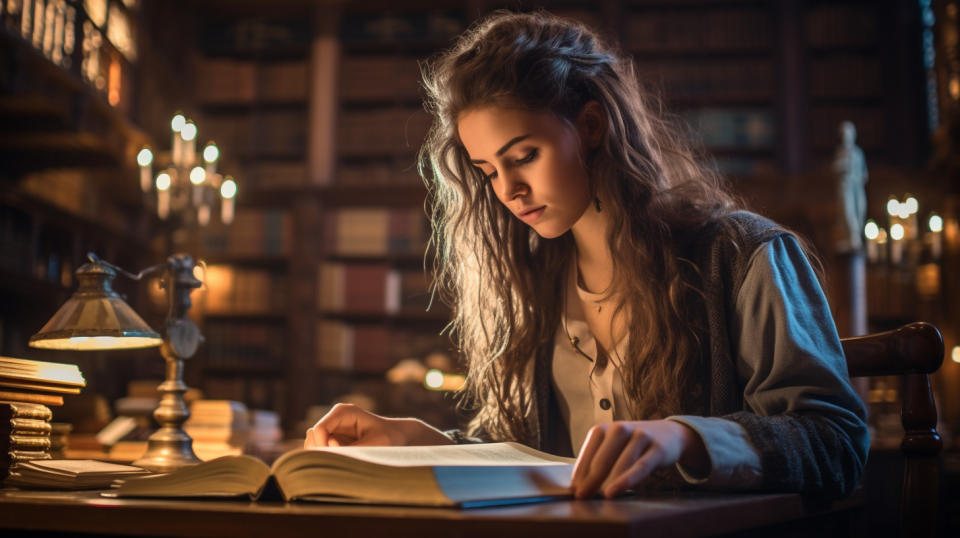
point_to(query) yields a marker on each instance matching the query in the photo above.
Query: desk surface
(687, 514)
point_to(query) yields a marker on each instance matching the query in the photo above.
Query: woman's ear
(591, 124)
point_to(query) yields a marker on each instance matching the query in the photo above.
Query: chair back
(912, 352)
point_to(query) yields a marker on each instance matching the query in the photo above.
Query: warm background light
(893, 207)
(211, 153)
(163, 181)
(145, 157)
(189, 131)
(229, 188)
(935, 223)
(871, 230)
(896, 231)
(177, 123)
(197, 175)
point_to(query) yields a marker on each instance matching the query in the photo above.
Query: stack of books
(27, 390)
(218, 428)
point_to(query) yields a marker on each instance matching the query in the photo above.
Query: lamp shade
(95, 317)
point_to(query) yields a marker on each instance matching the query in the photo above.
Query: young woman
(610, 301)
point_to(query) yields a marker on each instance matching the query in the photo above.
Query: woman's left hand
(619, 455)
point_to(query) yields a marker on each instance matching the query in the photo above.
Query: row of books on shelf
(696, 79)
(371, 348)
(845, 75)
(256, 233)
(239, 290)
(232, 81)
(375, 232)
(261, 133)
(403, 172)
(748, 29)
(379, 78)
(369, 287)
(841, 24)
(400, 27)
(824, 122)
(257, 392)
(392, 130)
(232, 346)
(733, 127)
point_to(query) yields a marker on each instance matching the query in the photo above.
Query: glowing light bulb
(211, 153)
(955, 354)
(912, 205)
(145, 157)
(198, 175)
(163, 181)
(189, 131)
(935, 223)
(433, 379)
(871, 230)
(177, 123)
(896, 231)
(893, 207)
(229, 188)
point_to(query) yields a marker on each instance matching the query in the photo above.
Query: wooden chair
(913, 352)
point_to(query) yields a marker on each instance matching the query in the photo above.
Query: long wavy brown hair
(504, 282)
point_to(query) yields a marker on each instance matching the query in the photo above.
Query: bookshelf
(252, 99)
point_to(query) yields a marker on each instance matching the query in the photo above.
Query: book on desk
(450, 475)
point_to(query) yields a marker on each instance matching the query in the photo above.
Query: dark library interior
(298, 124)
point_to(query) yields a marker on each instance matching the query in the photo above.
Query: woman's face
(533, 162)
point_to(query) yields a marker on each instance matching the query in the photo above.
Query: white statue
(851, 169)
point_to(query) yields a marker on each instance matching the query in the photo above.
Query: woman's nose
(511, 186)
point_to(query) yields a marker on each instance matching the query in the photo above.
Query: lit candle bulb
(896, 245)
(228, 191)
(871, 231)
(197, 177)
(912, 230)
(189, 136)
(145, 159)
(210, 155)
(163, 195)
(176, 145)
(935, 224)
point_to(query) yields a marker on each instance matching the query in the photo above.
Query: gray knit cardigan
(803, 453)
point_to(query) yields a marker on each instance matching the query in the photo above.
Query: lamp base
(168, 449)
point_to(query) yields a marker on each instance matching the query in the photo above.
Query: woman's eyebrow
(505, 147)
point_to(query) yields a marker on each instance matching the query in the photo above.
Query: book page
(82, 467)
(485, 454)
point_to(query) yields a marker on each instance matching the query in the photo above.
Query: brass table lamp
(97, 318)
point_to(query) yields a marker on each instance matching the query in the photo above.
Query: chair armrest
(916, 348)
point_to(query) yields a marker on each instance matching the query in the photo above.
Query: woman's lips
(530, 216)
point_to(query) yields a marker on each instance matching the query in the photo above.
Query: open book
(449, 475)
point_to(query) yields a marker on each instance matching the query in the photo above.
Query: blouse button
(604, 404)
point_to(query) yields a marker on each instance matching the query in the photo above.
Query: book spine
(29, 442)
(19, 409)
(16, 456)
(30, 426)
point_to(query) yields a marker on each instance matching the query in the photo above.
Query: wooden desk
(677, 515)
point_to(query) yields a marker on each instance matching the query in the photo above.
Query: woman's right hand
(347, 424)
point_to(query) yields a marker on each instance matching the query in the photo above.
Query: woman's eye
(528, 157)
(488, 177)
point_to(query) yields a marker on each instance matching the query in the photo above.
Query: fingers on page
(635, 474)
(616, 438)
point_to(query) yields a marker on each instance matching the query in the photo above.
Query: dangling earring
(596, 203)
